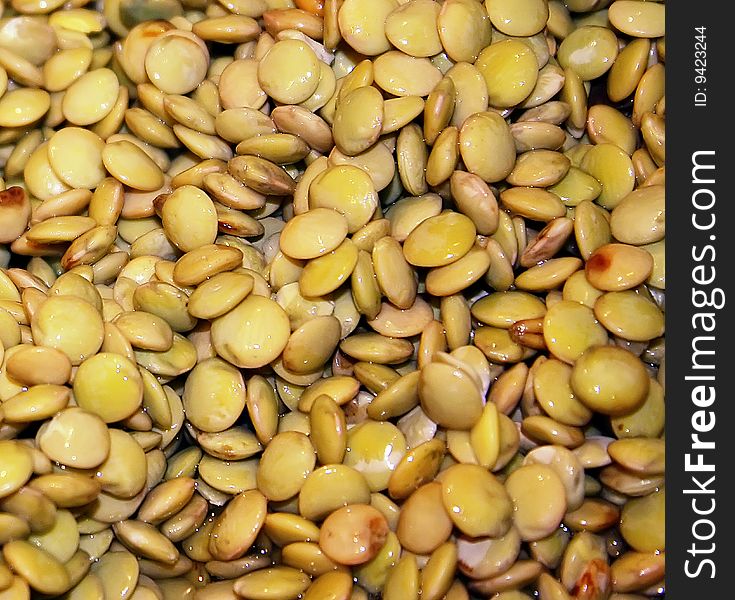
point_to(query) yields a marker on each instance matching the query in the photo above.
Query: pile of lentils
(332, 299)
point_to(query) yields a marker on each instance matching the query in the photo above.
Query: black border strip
(699, 259)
